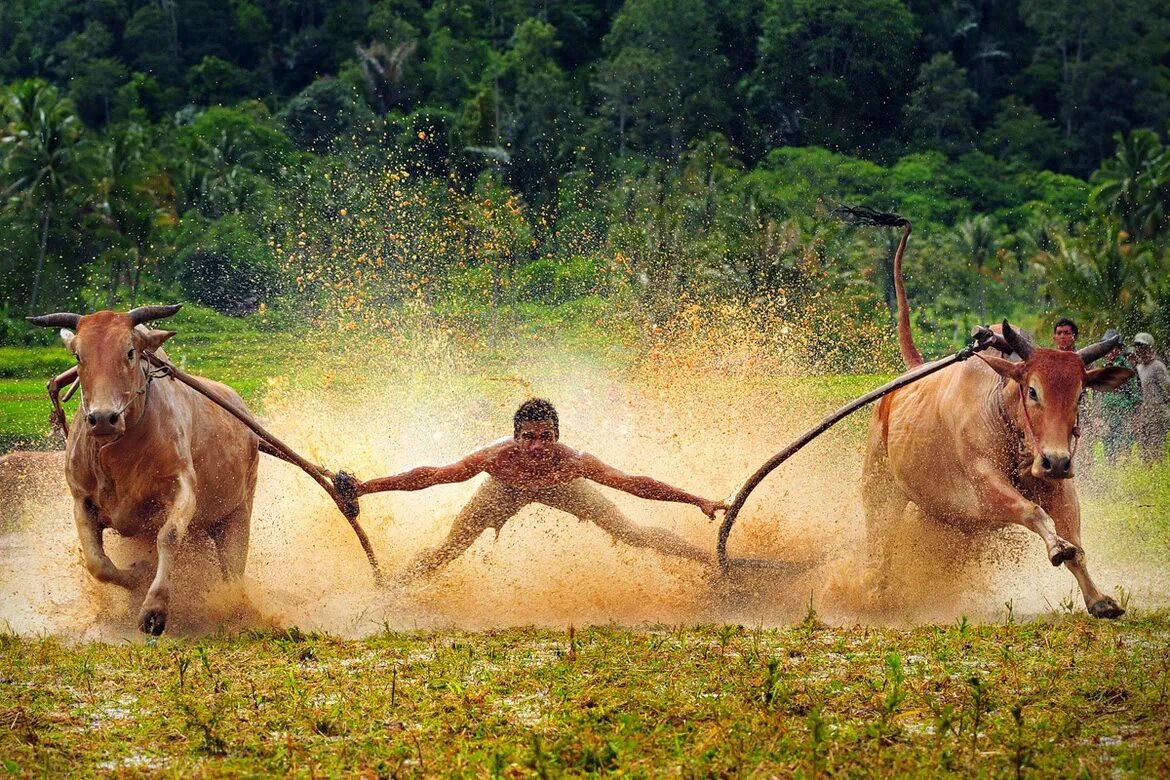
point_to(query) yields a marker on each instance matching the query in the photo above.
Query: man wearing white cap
(1153, 417)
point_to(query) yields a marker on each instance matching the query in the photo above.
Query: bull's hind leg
(885, 504)
(230, 537)
(1066, 510)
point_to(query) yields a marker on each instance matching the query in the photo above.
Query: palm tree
(979, 242)
(1128, 184)
(134, 196)
(40, 158)
(1099, 275)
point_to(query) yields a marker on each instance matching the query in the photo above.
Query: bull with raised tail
(984, 444)
(149, 456)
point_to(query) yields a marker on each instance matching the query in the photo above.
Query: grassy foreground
(1059, 697)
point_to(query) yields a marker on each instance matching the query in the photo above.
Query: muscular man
(534, 466)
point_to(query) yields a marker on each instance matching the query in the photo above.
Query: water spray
(342, 493)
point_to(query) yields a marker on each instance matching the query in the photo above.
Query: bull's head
(1044, 392)
(108, 346)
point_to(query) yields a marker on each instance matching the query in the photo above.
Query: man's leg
(586, 502)
(490, 507)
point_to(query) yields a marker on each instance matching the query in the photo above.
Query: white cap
(1144, 338)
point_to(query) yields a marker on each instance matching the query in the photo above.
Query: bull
(148, 456)
(984, 444)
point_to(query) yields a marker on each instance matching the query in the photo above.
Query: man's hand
(347, 485)
(711, 507)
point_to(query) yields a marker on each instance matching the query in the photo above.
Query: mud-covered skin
(533, 466)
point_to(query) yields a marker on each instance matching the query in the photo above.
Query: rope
(346, 502)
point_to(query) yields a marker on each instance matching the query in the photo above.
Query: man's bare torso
(506, 461)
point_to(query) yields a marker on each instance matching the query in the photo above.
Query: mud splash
(701, 413)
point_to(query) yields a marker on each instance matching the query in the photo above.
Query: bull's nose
(103, 422)
(1056, 465)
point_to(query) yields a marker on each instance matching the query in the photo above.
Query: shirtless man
(534, 466)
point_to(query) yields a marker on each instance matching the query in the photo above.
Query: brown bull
(151, 457)
(986, 443)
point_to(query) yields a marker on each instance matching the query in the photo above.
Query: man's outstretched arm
(644, 487)
(424, 476)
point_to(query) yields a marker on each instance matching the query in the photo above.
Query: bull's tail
(860, 215)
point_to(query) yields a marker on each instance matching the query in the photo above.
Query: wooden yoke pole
(981, 339)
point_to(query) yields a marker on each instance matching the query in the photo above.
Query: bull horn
(61, 319)
(147, 313)
(1095, 352)
(1017, 341)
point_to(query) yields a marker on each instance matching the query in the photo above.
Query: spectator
(1064, 334)
(1117, 410)
(1153, 419)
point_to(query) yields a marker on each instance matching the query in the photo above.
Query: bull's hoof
(1062, 552)
(152, 621)
(1106, 608)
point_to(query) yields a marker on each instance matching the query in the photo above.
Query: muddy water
(701, 420)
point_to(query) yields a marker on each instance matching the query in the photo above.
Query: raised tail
(860, 215)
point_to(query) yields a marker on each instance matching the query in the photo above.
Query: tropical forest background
(309, 161)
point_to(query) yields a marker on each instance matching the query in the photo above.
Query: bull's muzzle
(1056, 465)
(106, 422)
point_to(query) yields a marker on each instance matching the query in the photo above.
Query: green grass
(1057, 697)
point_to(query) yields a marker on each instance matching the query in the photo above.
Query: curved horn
(61, 319)
(1095, 352)
(147, 313)
(1018, 342)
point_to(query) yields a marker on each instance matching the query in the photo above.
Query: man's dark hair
(536, 410)
(1066, 321)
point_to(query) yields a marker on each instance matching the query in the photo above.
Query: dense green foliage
(267, 151)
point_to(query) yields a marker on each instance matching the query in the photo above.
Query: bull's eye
(130, 354)
(1032, 394)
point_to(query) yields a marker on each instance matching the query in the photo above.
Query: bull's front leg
(152, 619)
(1001, 501)
(99, 565)
(1065, 507)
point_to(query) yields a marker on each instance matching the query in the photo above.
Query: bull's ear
(153, 339)
(1108, 378)
(67, 337)
(1005, 368)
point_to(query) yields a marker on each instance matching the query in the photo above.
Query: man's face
(537, 438)
(1143, 353)
(1064, 337)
